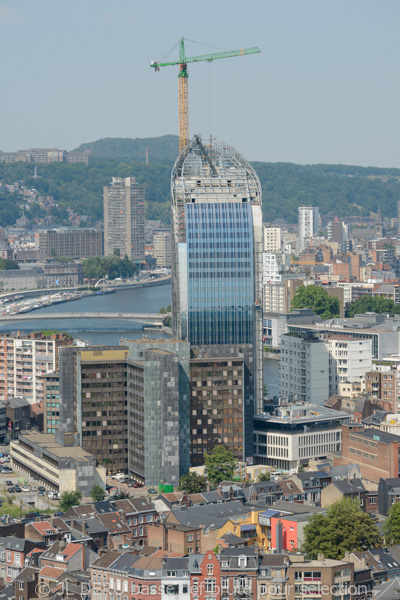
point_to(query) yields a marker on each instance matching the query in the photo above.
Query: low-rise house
(324, 578)
(271, 580)
(311, 483)
(388, 494)
(68, 557)
(239, 570)
(337, 490)
(25, 583)
(118, 530)
(42, 531)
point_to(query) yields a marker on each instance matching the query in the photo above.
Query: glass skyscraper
(217, 247)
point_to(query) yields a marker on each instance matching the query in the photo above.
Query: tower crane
(183, 81)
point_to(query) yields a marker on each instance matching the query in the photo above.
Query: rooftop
(46, 441)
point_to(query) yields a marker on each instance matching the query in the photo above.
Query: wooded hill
(340, 189)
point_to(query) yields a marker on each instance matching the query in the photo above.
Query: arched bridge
(146, 318)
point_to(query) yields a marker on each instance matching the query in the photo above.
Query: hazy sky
(324, 90)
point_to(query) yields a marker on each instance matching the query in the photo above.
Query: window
(210, 586)
(195, 586)
(263, 589)
(190, 539)
(225, 583)
(242, 561)
(210, 569)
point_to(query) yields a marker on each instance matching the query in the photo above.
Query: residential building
(46, 155)
(278, 296)
(308, 225)
(217, 247)
(325, 577)
(312, 483)
(59, 468)
(24, 359)
(349, 360)
(388, 494)
(124, 218)
(272, 239)
(304, 368)
(376, 452)
(337, 490)
(295, 433)
(385, 385)
(18, 416)
(162, 248)
(79, 242)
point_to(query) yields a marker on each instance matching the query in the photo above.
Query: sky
(325, 88)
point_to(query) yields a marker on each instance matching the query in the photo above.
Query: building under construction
(217, 246)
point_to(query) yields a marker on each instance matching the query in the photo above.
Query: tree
(192, 483)
(369, 303)
(97, 493)
(121, 496)
(220, 465)
(69, 499)
(318, 300)
(264, 476)
(391, 528)
(343, 527)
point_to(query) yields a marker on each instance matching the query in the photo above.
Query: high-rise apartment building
(24, 359)
(217, 249)
(162, 248)
(124, 218)
(79, 242)
(272, 239)
(308, 225)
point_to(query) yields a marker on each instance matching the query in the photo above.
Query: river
(111, 331)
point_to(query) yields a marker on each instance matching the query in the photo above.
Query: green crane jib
(183, 81)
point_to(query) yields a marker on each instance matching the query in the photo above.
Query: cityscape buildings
(162, 248)
(79, 242)
(46, 155)
(124, 218)
(217, 249)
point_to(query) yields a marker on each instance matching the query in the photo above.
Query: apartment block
(308, 225)
(349, 360)
(162, 248)
(304, 368)
(24, 360)
(124, 218)
(326, 578)
(386, 387)
(71, 242)
(272, 239)
(46, 155)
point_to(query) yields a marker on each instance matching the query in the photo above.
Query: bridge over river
(145, 318)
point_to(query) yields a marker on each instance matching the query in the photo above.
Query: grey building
(71, 242)
(124, 218)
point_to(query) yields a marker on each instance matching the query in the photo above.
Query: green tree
(69, 499)
(220, 465)
(343, 527)
(97, 493)
(318, 300)
(264, 476)
(7, 264)
(391, 528)
(121, 496)
(192, 483)
(369, 303)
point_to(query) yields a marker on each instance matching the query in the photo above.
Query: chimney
(279, 537)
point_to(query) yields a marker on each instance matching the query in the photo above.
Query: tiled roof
(50, 572)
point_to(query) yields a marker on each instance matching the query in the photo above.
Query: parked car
(17, 488)
(152, 491)
(11, 490)
(41, 488)
(25, 488)
(33, 488)
(41, 493)
(137, 485)
(52, 495)
(9, 482)
(5, 470)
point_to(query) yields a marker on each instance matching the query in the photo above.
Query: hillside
(344, 190)
(163, 149)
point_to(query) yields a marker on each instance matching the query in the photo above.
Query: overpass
(146, 318)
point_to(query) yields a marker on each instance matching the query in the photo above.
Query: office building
(51, 402)
(218, 388)
(308, 225)
(349, 360)
(304, 368)
(24, 359)
(93, 402)
(62, 468)
(80, 242)
(295, 433)
(272, 239)
(217, 248)
(158, 409)
(162, 248)
(124, 218)
(129, 406)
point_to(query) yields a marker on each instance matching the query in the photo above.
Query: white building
(296, 433)
(304, 368)
(162, 248)
(349, 360)
(272, 239)
(308, 225)
(274, 298)
(272, 267)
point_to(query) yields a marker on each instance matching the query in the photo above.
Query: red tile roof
(51, 572)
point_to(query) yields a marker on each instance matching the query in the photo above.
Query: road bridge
(146, 318)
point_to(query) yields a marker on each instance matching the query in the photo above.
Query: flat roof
(47, 442)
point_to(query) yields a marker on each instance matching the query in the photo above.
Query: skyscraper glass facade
(220, 291)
